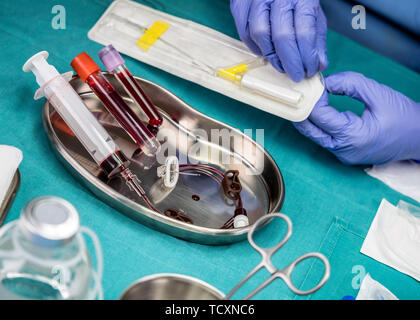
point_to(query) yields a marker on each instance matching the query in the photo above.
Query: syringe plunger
(43, 71)
(75, 114)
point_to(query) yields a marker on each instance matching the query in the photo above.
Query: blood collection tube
(86, 128)
(90, 73)
(113, 62)
(70, 107)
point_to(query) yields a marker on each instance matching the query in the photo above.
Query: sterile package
(206, 57)
(403, 176)
(10, 158)
(394, 238)
(373, 290)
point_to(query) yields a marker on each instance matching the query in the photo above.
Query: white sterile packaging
(373, 290)
(403, 176)
(10, 158)
(394, 238)
(198, 54)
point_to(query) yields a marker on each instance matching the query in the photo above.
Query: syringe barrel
(81, 121)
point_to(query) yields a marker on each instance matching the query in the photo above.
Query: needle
(134, 184)
(203, 66)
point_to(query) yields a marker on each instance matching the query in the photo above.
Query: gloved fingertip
(297, 124)
(311, 73)
(275, 62)
(251, 45)
(297, 76)
(301, 126)
(312, 67)
(323, 61)
(305, 128)
(330, 81)
(323, 99)
(337, 83)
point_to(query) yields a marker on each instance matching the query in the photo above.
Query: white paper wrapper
(373, 290)
(10, 158)
(121, 25)
(394, 238)
(402, 176)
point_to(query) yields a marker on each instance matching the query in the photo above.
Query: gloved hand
(388, 130)
(291, 34)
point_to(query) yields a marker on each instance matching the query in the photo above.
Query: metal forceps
(284, 274)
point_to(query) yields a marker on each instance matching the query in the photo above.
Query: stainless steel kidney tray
(200, 197)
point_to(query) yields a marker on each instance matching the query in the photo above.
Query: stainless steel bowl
(262, 193)
(170, 286)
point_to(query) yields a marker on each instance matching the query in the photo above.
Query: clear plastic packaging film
(197, 53)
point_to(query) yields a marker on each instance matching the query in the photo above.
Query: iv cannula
(86, 128)
(244, 80)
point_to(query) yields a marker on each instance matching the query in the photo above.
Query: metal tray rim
(178, 276)
(80, 171)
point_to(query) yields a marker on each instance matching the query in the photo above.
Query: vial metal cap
(49, 221)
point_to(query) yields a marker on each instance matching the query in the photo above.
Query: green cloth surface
(331, 205)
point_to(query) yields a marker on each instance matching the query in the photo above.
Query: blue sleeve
(404, 13)
(382, 34)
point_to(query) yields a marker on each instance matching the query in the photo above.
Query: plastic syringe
(113, 62)
(86, 128)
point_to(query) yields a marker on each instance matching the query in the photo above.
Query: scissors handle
(266, 253)
(286, 274)
(245, 279)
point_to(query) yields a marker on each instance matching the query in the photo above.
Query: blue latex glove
(291, 34)
(388, 130)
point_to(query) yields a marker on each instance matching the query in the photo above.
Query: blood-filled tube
(76, 115)
(113, 62)
(84, 126)
(90, 73)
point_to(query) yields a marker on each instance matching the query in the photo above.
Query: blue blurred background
(392, 27)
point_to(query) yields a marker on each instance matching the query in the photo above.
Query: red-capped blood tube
(90, 73)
